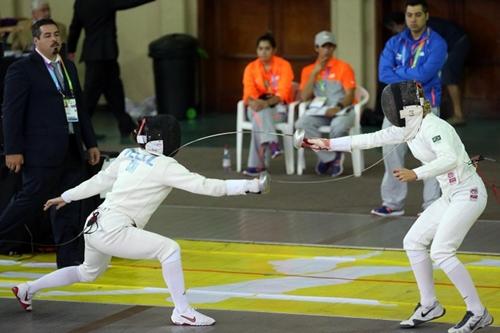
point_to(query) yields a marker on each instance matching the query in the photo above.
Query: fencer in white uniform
(139, 180)
(445, 223)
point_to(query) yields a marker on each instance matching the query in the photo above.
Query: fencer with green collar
(445, 223)
(436, 145)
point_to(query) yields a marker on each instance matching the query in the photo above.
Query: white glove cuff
(341, 144)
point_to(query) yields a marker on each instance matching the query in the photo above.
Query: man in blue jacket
(417, 53)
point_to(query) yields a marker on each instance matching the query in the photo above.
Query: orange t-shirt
(335, 70)
(276, 81)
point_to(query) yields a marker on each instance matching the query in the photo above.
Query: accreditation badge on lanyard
(71, 110)
(69, 101)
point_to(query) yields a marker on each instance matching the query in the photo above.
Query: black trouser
(40, 184)
(103, 77)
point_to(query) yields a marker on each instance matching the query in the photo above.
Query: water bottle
(226, 159)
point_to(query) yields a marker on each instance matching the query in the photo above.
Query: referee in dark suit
(100, 54)
(47, 137)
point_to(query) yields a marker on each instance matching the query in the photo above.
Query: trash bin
(176, 73)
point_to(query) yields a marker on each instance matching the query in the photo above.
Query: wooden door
(479, 19)
(228, 30)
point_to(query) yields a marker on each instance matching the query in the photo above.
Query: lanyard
(416, 50)
(324, 78)
(52, 70)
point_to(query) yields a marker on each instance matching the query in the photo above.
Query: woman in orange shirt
(267, 86)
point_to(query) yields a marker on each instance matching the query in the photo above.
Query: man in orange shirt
(267, 86)
(329, 84)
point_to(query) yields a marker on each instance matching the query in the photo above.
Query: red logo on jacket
(473, 194)
(451, 178)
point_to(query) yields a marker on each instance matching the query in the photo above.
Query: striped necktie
(58, 72)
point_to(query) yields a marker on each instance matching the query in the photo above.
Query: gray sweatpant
(262, 129)
(393, 191)
(339, 126)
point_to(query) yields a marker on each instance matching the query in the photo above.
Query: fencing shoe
(471, 322)
(386, 211)
(191, 317)
(423, 314)
(21, 291)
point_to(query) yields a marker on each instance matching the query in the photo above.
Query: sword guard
(264, 182)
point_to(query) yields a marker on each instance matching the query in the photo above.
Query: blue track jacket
(404, 58)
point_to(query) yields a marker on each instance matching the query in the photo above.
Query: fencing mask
(160, 134)
(403, 105)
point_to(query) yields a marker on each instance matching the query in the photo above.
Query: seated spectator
(330, 84)
(267, 86)
(21, 39)
(458, 46)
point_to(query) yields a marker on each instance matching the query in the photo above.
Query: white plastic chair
(242, 123)
(358, 163)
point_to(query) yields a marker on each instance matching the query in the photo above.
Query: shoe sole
(387, 215)
(274, 156)
(190, 324)
(490, 323)
(26, 307)
(422, 322)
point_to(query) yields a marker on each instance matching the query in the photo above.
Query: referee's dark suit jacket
(100, 54)
(98, 17)
(35, 125)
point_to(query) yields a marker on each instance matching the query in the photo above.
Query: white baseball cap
(324, 37)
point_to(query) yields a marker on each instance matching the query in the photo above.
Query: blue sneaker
(386, 211)
(253, 171)
(275, 150)
(322, 167)
(337, 165)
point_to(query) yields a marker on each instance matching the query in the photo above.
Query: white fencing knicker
(114, 234)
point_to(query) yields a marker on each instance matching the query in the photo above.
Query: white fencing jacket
(139, 181)
(437, 145)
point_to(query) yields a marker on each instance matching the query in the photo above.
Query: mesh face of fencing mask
(402, 104)
(160, 135)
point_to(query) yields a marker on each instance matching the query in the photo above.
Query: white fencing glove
(242, 186)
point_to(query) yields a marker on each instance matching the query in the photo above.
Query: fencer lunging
(139, 180)
(445, 223)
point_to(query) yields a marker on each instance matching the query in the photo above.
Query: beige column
(7, 8)
(353, 26)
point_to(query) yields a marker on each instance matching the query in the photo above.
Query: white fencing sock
(463, 282)
(61, 277)
(174, 278)
(421, 265)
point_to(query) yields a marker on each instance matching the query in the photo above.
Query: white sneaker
(21, 291)
(423, 314)
(471, 322)
(191, 317)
